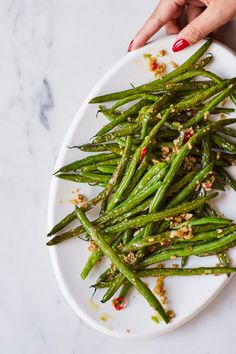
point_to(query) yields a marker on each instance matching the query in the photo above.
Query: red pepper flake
(143, 153)
(153, 66)
(187, 136)
(118, 303)
(207, 185)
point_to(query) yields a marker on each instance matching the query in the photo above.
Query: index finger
(162, 14)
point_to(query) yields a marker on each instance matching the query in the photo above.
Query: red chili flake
(118, 303)
(208, 185)
(143, 153)
(187, 136)
(153, 66)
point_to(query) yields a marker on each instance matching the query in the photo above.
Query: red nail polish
(180, 44)
(130, 45)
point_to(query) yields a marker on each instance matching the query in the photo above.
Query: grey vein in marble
(46, 102)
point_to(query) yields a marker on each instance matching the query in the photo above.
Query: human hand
(203, 16)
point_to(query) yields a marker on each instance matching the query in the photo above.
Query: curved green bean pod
(91, 178)
(121, 118)
(169, 272)
(121, 266)
(178, 159)
(145, 219)
(139, 96)
(113, 147)
(151, 86)
(89, 160)
(223, 143)
(195, 250)
(209, 106)
(135, 159)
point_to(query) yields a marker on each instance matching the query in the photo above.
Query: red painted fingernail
(130, 45)
(180, 44)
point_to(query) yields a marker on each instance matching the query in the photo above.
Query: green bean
(121, 118)
(86, 161)
(145, 125)
(167, 134)
(151, 86)
(218, 184)
(204, 73)
(166, 236)
(184, 261)
(182, 182)
(208, 227)
(178, 159)
(206, 159)
(91, 262)
(228, 179)
(131, 170)
(134, 211)
(116, 134)
(63, 223)
(128, 99)
(194, 73)
(84, 179)
(105, 279)
(133, 201)
(79, 230)
(228, 131)
(125, 289)
(210, 211)
(203, 62)
(167, 272)
(186, 192)
(127, 235)
(93, 167)
(114, 286)
(195, 250)
(119, 169)
(115, 148)
(223, 143)
(103, 194)
(121, 266)
(218, 250)
(155, 169)
(204, 221)
(95, 257)
(224, 260)
(181, 196)
(110, 115)
(145, 219)
(107, 169)
(216, 110)
(138, 175)
(206, 151)
(122, 142)
(183, 86)
(203, 95)
(209, 106)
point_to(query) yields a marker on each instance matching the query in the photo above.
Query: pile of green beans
(157, 162)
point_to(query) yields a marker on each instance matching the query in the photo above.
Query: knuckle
(155, 16)
(195, 33)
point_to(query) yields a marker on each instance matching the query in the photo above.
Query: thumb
(210, 19)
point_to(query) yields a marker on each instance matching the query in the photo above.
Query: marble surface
(52, 53)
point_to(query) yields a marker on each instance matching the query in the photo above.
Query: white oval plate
(187, 295)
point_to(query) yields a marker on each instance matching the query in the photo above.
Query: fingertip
(130, 46)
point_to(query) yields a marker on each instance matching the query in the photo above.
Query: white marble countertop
(52, 53)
